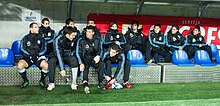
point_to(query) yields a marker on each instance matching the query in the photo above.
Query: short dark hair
(44, 19)
(197, 27)
(112, 23)
(157, 25)
(115, 47)
(90, 28)
(90, 20)
(32, 24)
(176, 26)
(135, 22)
(69, 30)
(69, 20)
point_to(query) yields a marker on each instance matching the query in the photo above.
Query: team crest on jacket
(117, 36)
(178, 36)
(131, 35)
(49, 34)
(38, 42)
(200, 38)
(160, 38)
(142, 35)
(193, 40)
(111, 38)
(174, 39)
(28, 43)
(72, 43)
(87, 46)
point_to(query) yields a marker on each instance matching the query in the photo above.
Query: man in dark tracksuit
(113, 36)
(69, 23)
(195, 41)
(115, 55)
(48, 34)
(136, 40)
(64, 48)
(88, 52)
(33, 48)
(91, 22)
(157, 41)
(175, 40)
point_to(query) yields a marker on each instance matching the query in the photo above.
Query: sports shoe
(86, 89)
(51, 86)
(101, 86)
(42, 84)
(24, 84)
(127, 85)
(74, 87)
(109, 86)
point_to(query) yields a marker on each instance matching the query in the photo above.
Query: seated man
(33, 48)
(157, 42)
(195, 41)
(64, 48)
(88, 52)
(48, 34)
(136, 40)
(113, 36)
(115, 55)
(174, 39)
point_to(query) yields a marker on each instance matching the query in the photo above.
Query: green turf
(140, 93)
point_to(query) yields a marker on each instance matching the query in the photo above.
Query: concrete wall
(12, 27)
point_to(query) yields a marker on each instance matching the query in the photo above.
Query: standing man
(33, 48)
(64, 48)
(91, 22)
(69, 23)
(88, 52)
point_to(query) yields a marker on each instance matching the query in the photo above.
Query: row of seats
(179, 58)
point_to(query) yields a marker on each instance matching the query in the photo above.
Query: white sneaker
(74, 87)
(86, 89)
(51, 86)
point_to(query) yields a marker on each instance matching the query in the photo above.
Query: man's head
(113, 25)
(34, 28)
(135, 25)
(196, 30)
(90, 32)
(90, 22)
(114, 50)
(174, 28)
(70, 22)
(45, 22)
(157, 28)
(70, 33)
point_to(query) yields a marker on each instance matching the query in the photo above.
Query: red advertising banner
(210, 27)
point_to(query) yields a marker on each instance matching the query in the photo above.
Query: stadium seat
(6, 57)
(202, 58)
(15, 48)
(218, 57)
(136, 58)
(214, 50)
(180, 58)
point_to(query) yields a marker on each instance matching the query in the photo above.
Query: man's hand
(63, 73)
(82, 67)
(200, 45)
(180, 48)
(117, 42)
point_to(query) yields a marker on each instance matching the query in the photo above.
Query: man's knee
(44, 65)
(22, 64)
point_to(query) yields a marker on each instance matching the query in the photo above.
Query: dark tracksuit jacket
(157, 42)
(86, 50)
(193, 42)
(111, 36)
(174, 41)
(33, 45)
(119, 59)
(49, 35)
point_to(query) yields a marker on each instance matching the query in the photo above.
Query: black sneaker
(24, 84)
(42, 84)
(101, 86)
